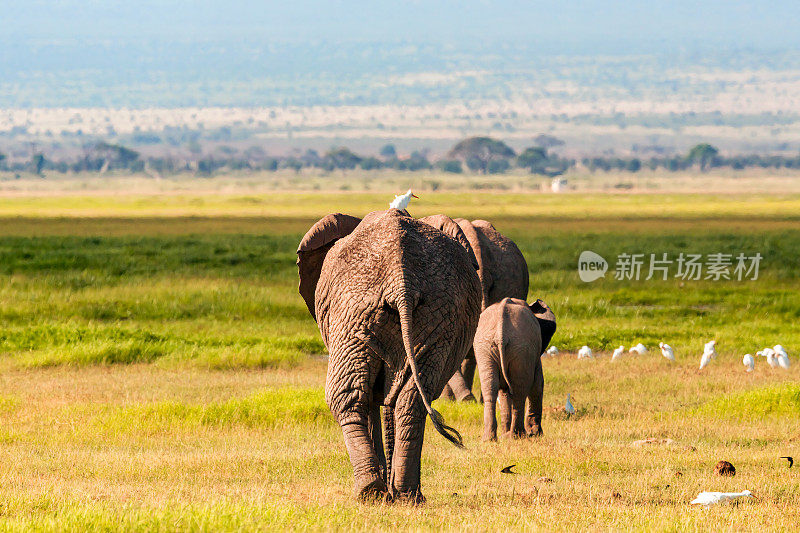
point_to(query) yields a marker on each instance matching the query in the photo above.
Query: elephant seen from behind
(397, 303)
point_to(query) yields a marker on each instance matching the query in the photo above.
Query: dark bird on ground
(507, 470)
(791, 460)
(724, 468)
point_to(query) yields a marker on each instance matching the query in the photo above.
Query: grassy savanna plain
(158, 369)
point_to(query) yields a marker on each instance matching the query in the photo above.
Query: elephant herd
(398, 302)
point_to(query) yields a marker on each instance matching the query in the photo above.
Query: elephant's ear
(313, 248)
(547, 321)
(448, 226)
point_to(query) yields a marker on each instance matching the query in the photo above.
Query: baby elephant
(509, 342)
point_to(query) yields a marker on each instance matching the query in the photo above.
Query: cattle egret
(640, 349)
(618, 353)
(749, 362)
(769, 353)
(568, 406)
(552, 351)
(401, 202)
(710, 498)
(782, 358)
(705, 360)
(710, 347)
(666, 351)
(585, 353)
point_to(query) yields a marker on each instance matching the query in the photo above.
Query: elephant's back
(390, 252)
(510, 278)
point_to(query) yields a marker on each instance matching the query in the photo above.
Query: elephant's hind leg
(369, 481)
(354, 409)
(534, 413)
(409, 426)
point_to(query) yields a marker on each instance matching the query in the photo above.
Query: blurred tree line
(481, 155)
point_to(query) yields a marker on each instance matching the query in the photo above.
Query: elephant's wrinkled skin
(510, 339)
(397, 303)
(503, 272)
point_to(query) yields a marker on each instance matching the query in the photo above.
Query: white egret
(401, 202)
(552, 351)
(782, 357)
(710, 498)
(666, 351)
(618, 353)
(769, 353)
(710, 347)
(568, 406)
(749, 362)
(705, 360)
(585, 353)
(640, 349)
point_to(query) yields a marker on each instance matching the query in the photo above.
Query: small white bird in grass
(769, 353)
(585, 353)
(401, 202)
(710, 347)
(705, 360)
(640, 349)
(618, 353)
(568, 406)
(666, 351)
(749, 362)
(711, 498)
(781, 356)
(552, 351)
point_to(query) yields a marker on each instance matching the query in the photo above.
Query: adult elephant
(503, 272)
(397, 303)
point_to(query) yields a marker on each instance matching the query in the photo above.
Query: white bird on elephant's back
(402, 201)
(585, 353)
(618, 353)
(666, 351)
(749, 362)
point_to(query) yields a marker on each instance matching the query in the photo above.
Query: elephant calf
(508, 345)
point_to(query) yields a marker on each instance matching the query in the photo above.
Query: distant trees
(37, 164)
(483, 155)
(341, 158)
(538, 161)
(388, 152)
(479, 152)
(703, 155)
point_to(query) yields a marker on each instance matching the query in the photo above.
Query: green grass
(159, 371)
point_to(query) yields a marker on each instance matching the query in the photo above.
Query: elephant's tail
(500, 337)
(436, 418)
